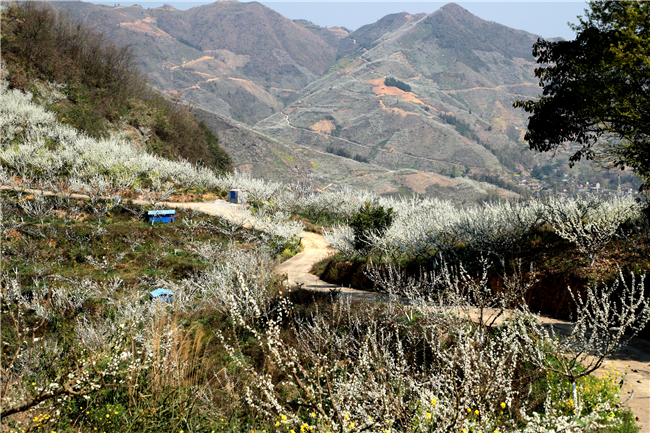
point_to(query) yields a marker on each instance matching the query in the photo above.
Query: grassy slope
(104, 87)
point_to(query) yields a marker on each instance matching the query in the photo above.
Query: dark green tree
(370, 219)
(394, 82)
(596, 89)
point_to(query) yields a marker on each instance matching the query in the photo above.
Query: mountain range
(317, 96)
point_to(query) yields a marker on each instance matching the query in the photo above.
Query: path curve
(635, 356)
(297, 269)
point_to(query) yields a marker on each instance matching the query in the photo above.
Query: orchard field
(84, 348)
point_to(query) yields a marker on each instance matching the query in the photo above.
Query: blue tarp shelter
(161, 295)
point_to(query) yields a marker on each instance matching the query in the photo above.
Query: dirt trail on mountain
(635, 357)
(502, 86)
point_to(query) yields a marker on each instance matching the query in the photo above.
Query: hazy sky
(544, 18)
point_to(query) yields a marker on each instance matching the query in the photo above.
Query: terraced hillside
(464, 74)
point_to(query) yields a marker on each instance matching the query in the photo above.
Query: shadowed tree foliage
(368, 220)
(394, 82)
(596, 89)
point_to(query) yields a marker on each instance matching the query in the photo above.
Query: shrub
(370, 219)
(461, 127)
(189, 44)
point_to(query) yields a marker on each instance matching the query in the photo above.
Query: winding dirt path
(315, 249)
(635, 357)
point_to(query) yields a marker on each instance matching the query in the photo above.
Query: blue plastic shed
(161, 216)
(161, 295)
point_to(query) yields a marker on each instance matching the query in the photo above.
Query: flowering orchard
(433, 229)
(469, 360)
(85, 349)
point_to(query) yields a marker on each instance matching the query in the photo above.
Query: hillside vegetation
(84, 346)
(235, 347)
(103, 87)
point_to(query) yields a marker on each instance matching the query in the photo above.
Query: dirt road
(315, 249)
(635, 358)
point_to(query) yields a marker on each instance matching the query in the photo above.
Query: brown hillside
(240, 60)
(276, 45)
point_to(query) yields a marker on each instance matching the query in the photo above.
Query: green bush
(368, 220)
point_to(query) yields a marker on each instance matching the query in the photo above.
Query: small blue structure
(161, 216)
(238, 196)
(161, 295)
